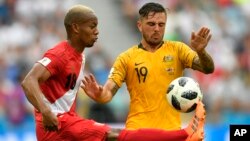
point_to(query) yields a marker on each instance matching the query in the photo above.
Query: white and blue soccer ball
(183, 93)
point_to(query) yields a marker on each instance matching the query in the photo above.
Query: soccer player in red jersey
(52, 84)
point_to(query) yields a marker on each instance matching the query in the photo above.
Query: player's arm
(101, 94)
(109, 90)
(203, 62)
(30, 85)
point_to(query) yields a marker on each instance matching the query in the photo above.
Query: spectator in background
(98, 62)
(224, 100)
(7, 11)
(244, 57)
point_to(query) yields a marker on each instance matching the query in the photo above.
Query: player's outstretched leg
(195, 128)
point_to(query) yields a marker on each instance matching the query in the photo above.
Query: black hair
(151, 7)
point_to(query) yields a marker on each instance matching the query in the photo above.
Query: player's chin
(156, 42)
(91, 44)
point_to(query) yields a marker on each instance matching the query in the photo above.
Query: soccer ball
(183, 94)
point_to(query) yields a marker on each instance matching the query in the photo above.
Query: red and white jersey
(66, 67)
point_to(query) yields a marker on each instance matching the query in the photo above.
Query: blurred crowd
(28, 28)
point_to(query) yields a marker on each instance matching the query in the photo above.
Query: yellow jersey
(147, 76)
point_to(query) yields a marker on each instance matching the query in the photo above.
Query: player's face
(153, 27)
(88, 31)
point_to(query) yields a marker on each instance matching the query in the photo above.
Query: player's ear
(139, 25)
(75, 27)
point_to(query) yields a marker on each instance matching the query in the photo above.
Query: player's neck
(77, 47)
(151, 48)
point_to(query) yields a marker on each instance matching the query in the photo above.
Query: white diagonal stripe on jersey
(64, 103)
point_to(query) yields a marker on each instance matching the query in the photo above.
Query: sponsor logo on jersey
(136, 64)
(45, 61)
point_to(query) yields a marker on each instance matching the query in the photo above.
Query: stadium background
(29, 27)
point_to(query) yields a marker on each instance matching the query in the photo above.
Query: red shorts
(73, 128)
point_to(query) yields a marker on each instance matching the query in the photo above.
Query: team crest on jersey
(168, 58)
(45, 61)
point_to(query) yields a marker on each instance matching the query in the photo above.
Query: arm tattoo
(203, 63)
(114, 89)
(196, 64)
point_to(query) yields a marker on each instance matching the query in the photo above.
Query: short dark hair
(151, 7)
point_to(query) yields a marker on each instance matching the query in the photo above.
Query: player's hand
(50, 121)
(91, 87)
(200, 40)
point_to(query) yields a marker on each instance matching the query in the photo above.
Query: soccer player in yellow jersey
(148, 68)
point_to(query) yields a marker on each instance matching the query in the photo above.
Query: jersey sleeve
(51, 62)
(119, 70)
(186, 55)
